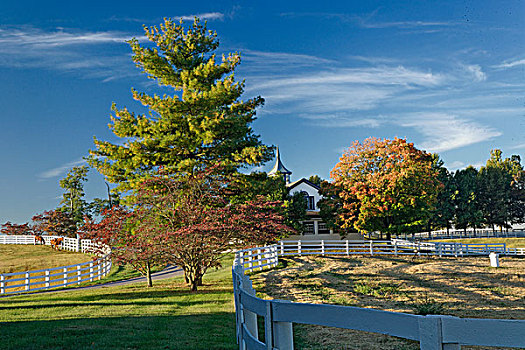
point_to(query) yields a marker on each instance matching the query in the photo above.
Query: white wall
(308, 189)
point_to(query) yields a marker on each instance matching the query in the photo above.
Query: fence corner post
(2, 284)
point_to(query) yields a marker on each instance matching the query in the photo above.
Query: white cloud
(520, 146)
(457, 164)
(62, 169)
(475, 71)
(403, 24)
(385, 76)
(511, 64)
(207, 15)
(444, 132)
(72, 51)
(33, 38)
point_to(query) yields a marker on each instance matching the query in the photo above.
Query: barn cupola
(280, 169)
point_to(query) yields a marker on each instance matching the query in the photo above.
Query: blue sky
(447, 75)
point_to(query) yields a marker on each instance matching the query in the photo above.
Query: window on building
(310, 201)
(309, 228)
(322, 228)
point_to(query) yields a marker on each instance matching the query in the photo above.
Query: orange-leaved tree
(386, 185)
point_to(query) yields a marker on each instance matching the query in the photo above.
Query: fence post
(431, 334)
(91, 271)
(282, 333)
(98, 269)
(322, 247)
(282, 248)
(268, 336)
(78, 274)
(371, 248)
(27, 281)
(299, 247)
(47, 278)
(2, 284)
(65, 276)
(395, 247)
(250, 318)
(347, 248)
(259, 258)
(440, 249)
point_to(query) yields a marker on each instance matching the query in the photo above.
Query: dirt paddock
(463, 287)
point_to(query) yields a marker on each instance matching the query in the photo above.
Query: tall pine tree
(203, 122)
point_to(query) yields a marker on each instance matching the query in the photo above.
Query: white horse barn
(314, 227)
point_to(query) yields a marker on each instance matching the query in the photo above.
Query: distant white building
(314, 227)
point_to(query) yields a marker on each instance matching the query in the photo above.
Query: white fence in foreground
(63, 276)
(434, 332)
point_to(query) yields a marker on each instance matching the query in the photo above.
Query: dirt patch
(463, 287)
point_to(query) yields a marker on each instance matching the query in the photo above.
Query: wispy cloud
(368, 21)
(446, 110)
(475, 71)
(60, 170)
(81, 52)
(520, 146)
(205, 16)
(36, 38)
(511, 64)
(444, 132)
(403, 24)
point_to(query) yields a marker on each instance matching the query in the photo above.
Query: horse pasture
(21, 257)
(463, 287)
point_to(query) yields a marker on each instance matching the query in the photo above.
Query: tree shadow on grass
(206, 331)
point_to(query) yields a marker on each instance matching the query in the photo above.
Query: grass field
(510, 242)
(464, 287)
(20, 257)
(166, 316)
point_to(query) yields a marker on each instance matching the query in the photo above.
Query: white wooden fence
(478, 233)
(18, 282)
(434, 332)
(393, 247)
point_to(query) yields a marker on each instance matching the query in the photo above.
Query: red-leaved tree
(55, 222)
(15, 229)
(117, 229)
(196, 224)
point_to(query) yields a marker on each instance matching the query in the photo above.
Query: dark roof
(279, 168)
(298, 182)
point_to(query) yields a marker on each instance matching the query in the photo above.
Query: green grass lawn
(166, 316)
(21, 257)
(510, 242)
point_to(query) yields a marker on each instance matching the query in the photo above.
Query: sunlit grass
(166, 316)
(21, 257)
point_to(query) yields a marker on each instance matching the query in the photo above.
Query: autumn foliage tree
(195, 223)
(386, 185)
(55, 222)
(9, 228)
(129, 245)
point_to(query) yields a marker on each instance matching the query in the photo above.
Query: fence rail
(458, 234)
(434, 332)
(393, 247)
(62, 276)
